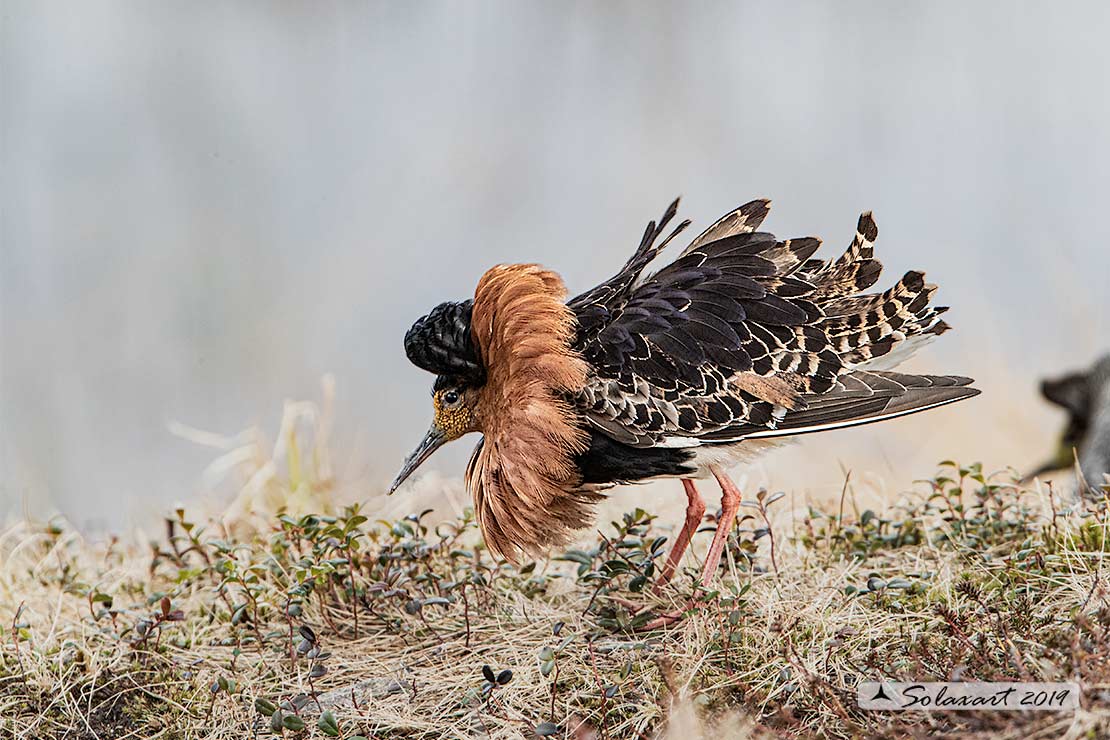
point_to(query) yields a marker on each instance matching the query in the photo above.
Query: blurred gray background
(204, 207)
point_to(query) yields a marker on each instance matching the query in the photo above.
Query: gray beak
(431, 442)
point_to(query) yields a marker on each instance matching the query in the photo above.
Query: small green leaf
(615, 566)
(876, 584)
(576, 556)
(436, 600)
(328, 725)
(277, 720)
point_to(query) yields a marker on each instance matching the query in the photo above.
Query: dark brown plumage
(680, 373)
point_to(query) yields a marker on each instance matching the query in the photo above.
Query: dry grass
(93, 653)
(350, 627)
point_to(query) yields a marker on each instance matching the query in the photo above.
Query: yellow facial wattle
(453, 420)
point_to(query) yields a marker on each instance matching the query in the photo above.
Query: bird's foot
(668, 618)
(632, 607)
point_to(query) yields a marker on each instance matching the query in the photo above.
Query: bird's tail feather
(864, 327)
(853, 271)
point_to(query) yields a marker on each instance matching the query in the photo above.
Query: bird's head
(505, 367)
(442, 343)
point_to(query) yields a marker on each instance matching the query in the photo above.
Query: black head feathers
(441, 343)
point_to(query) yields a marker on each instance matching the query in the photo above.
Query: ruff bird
(741, 342)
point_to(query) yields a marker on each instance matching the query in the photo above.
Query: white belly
(729, 456)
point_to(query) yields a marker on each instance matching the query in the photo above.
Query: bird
(1085, 396)
(743, 341)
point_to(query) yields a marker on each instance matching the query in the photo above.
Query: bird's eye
(451, 398)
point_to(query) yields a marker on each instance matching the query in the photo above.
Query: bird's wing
(738, 334)
(615, 290)
(860, 397)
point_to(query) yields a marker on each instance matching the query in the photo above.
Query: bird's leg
(730, 504)
(695, 510)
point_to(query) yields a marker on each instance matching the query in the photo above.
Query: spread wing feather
(748, 335)
(862, 397)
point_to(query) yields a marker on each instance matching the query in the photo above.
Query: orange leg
(730, 504)
(695, 510)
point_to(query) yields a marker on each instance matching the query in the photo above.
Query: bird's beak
(431, 442)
